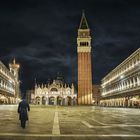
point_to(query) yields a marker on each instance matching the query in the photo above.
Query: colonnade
(7, 86)
(127, 65)
(123, 84)
(121, 102)
(8, 100)
(54, 100)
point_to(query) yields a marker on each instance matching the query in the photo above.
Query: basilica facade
(55, 93)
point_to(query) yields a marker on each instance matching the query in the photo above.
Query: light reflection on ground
(74, 122)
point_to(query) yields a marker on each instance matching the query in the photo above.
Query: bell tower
(14, 69)
(84, 63)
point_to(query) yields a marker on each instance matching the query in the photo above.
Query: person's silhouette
(23, 109)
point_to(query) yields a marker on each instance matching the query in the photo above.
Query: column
(66, 102)
(123, 102)
(71, 101)
(46, 101)
(132, 103)
(40, 100)
(124, 84)
(134, 82)
(55, 100)
(130, 83)
(129, 102)
(138, 80)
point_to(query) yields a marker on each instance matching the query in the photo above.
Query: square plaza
(75, 123)
(77, 63)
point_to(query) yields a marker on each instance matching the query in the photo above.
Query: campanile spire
(83, 23)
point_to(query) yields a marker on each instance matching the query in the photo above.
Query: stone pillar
(40, 101)
(131, 83)
(132, 102)
(128, 84)
(134, 83)
(123, 102)
(55, 100)
(125, 85)
(122, 86)
(128, 102)
(66, 101)
(47, 101)
(61, 103)
(72, 101)
(138, 80)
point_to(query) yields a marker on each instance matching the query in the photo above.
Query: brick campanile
(84, 63)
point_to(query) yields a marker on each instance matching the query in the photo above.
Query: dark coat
(23, 109)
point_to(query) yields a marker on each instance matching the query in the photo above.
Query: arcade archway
(59, 100)
(51, 101)
(69, 100)
(43, 100)
(38, 100)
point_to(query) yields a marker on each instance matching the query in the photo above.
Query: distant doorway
(69, 99)
(51, 100)
(59, 100)
(38, 100)
(43, 100)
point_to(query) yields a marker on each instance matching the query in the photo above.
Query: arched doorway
(38, 100)
(43, 100)
(74, 100)
(51, 100)
(69, 100)
(59, 100)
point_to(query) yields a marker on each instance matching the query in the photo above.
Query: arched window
(54, 89)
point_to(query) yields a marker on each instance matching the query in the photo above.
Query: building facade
(84, 63)
(121, 87)
(56, 93)
(9, 83)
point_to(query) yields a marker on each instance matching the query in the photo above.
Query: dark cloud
(42, 36)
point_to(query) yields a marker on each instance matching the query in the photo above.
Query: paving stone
(100, 123)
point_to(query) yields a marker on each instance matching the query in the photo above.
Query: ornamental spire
(83, 23)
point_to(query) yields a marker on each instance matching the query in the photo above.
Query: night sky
(41, 35)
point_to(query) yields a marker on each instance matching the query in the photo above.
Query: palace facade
(9, 83)
(55, 93)
(121, 87)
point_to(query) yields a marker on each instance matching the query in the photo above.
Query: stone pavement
(71, 123)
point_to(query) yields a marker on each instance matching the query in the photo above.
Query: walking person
(23, 109)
